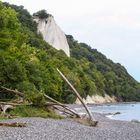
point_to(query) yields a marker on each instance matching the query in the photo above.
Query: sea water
(123, 111)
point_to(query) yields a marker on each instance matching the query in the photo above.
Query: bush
(31, 111)
(42, 14)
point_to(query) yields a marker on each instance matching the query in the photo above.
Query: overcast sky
(110, 26)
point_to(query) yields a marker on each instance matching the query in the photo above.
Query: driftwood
(4, 108)
(64, 111)
(14, 104)
(13, 91)
(92, 121)
(50, 104)
(54, 106)
(62, 105)
(14, 124)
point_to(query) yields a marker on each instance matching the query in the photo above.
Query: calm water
(129, 111)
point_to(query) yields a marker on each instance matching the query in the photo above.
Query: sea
(118, 111)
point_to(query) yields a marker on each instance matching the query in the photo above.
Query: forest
(28, 64)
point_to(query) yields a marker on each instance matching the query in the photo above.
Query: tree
(9, 26)
(42, 14)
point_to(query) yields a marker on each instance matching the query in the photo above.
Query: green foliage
(23, 16)
(9, 27)
(31, 111)
(108, 77)
(28, 64)
(2, 116)
(42, 14)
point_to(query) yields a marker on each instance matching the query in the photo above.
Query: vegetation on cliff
(28, 64)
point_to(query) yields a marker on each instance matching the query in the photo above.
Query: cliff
(52, 34)
(97, 99)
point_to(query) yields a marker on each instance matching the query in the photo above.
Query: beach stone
(135, 121)
(117, 113)
(68, 129)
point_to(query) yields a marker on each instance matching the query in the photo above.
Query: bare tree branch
(13, 91)
(62, 105)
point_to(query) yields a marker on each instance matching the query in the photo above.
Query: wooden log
(62, 105)
(64, 111)
(4, 108)
(14, 124)
(50, 104)
(13, 91)
(14, 104)
(59, 108)
(92, 120)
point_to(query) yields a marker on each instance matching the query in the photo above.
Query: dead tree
(92, 120)
(62, 105)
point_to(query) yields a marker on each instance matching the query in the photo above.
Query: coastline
(68, 129)
(114, 111)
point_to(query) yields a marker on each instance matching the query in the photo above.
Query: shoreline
(96, 104)
(111, 114)
(68, 129)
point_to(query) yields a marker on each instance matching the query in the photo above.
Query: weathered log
(14, 104)
(13, 91)
(64, 111)
(14, 124)
(50, 104)
(92, 120)
(62, 105)
(4, 108)
(58, 107)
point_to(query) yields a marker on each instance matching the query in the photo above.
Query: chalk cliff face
(96, 99)
(53, 34)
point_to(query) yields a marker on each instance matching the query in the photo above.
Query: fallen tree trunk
(13, 91)
(14, 124)
(14, 104)
(92, 120)
(64, 111)
(50, 104)
(4, 108)
(62, 105)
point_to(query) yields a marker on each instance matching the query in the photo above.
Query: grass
(31, 111)
(2, 116)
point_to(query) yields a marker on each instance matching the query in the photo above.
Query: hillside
(28, 64)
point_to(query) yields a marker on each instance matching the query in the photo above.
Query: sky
(110, 26)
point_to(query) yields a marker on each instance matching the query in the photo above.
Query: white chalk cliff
(96, 99)
(52, 34)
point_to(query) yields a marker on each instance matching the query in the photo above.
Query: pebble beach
(68, 129)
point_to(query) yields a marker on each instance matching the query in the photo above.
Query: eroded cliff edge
(52, 33)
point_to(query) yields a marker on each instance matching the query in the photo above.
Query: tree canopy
(28, 64)
(42, 14)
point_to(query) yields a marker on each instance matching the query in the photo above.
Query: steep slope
(28, 63)
(110, 78)
(52, 33)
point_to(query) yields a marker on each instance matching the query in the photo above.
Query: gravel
(67, 129)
